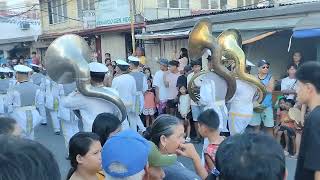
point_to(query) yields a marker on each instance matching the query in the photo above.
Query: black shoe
(43, 124)
(57, 133)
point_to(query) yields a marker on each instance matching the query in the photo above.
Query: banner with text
(112, 12)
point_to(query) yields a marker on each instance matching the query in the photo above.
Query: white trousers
(238, 122)
(134, 121)
(55, 120)
(69, 128)
(42, 112)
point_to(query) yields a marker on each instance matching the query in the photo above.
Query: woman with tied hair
(167, 132)
(85, 157)
(183, 59)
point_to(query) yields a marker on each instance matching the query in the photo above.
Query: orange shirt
(285, 120)
(149, 99)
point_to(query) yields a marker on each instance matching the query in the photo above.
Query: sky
(14, 3)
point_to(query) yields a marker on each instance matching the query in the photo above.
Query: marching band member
(4, 86)
(126, 86)
(52, 103)
(141, 85)
(68, 120)
(90, 107)
(39, 79)
(22, 99)
(241, 105)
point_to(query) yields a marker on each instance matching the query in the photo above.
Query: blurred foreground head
(250, 157)
(25, 159)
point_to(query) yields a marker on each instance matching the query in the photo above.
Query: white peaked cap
(134, 59)
(22, 68)
(2, 70)
(34, 65)
(97, 67)
(122, 62)
(249, 63)
(8, 70)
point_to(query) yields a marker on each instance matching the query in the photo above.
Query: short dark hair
(33, 52)
(25, 159)
(123, 67)
(209, 118)
(97, 76)
(174, 63)
(309, 72)
(135, 63)
(104, 125)
(292, 65)
(196, 62)
(250, 156)
(7, 125)
(36, 69)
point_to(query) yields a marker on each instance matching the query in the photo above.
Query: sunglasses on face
(265, 67)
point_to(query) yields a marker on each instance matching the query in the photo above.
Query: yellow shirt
(100, 175)
(143, 60)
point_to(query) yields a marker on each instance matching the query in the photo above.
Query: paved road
(45, 135)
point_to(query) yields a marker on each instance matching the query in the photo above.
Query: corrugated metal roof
(241, 9)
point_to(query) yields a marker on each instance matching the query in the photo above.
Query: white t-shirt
(289, 84)
(172, 90)
(184, 104)
(158, 82)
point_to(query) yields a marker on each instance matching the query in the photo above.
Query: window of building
(173, 4)
(83, 5)
(204, 4)
(57, 11)
(213, 4)
(247, 3)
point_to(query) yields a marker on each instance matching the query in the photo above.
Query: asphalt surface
(55, 143)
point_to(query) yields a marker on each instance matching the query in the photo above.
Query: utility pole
(132, 17)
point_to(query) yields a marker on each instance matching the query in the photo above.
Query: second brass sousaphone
(200, 39)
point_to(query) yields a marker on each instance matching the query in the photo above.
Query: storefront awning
(247, 36)
(163, 35)
(307, 27)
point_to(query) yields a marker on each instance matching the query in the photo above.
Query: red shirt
(211, 150)
(36, 60)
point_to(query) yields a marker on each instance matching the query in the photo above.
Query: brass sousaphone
(200, 39)
(231, 42)
(67, 61)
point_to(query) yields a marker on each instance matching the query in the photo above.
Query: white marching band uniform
(52, 102)
(90, 107)
(125, 84)
(241, 107)
(21, 104)
(68, 120)
(142, 87)
(40, 80)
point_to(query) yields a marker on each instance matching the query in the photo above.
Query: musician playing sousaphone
(217, 84)
(242, 103)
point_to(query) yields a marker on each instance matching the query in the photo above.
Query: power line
(20, 14)
(60, 15)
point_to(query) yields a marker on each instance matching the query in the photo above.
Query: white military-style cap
(249, 63)
(35, 65)
(22, 68)
(98, 67)
(121, 62)
(133, 59)
(8, 70)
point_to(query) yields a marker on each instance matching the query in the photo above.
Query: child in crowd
(149, 108)
(184, 109)
(209, 128)
(286, 125)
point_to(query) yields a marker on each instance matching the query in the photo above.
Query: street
(55, 143)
